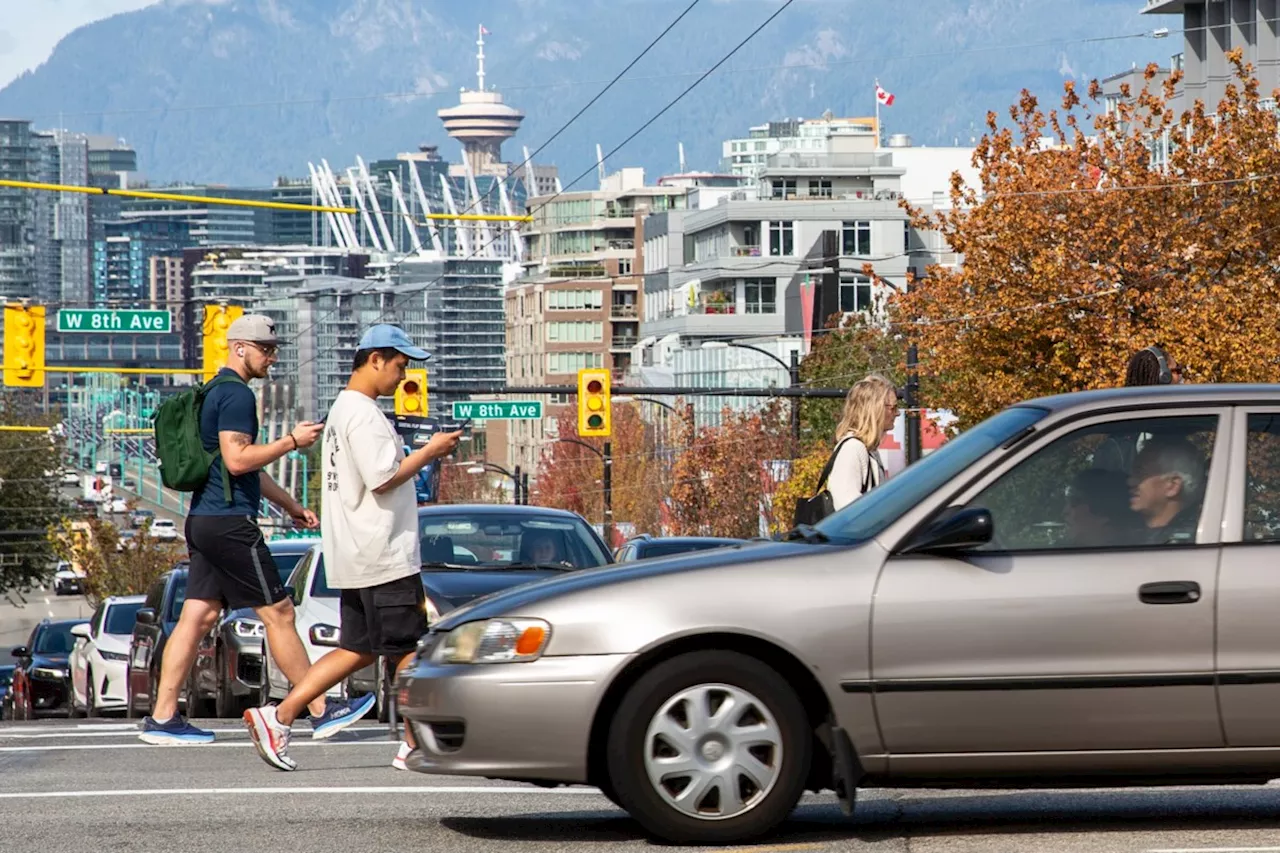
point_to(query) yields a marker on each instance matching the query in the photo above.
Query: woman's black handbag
(814, 509)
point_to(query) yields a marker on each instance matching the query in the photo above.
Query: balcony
(623, 341)
(819, 162)
(847, 195)
(577, 272)
(626, 245)
(747, 251)
(625, 311)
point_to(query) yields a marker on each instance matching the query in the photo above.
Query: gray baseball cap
(254, 328)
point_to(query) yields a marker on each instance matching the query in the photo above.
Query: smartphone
(465, 425)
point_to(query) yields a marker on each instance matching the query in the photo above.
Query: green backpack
(184, 463)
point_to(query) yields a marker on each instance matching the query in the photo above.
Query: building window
(624, 266)
(820, 188)
(761, 295)
(581, 331)
(856, 240)
(575, 300)
(782, 238)
(783, 188)
(855, 292)
(906, 236)
(572, 362)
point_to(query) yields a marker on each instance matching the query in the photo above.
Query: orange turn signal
(531, 640)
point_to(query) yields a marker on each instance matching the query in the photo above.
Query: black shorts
(230, 562)
(387, 619)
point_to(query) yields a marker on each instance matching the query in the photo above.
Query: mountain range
(239, 92)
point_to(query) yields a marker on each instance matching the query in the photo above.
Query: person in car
(1097, 511)
(1165, 486)
(541, 548)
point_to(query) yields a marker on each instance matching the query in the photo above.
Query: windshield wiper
(805, 533)
(451, 566)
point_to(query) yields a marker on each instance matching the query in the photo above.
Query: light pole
(481, 467)
(793, 378)
(606, 459)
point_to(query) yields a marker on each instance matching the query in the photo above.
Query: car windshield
(872, 513)
(121, 617)
(500, 540)
(55, 640)
(285, 564)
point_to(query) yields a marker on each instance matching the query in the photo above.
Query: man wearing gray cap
(370, 537)
(230, 565)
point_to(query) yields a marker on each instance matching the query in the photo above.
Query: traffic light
(593, 403)
(24, 346)
(217, 319)
(411, 396)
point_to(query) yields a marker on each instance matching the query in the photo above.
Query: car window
(1262, 479)
(301, 576)
(155, 595)
(121, 617)
(870, 514)
(320, 582)
(55, 640)
(285, 564)
(497, 540)
(95, 625)
(6, 676)
(1127, 483)
(179, 596)
(666, 549)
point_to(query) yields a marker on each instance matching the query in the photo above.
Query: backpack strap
(203, 390)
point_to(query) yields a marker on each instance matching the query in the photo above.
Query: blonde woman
(869, 412)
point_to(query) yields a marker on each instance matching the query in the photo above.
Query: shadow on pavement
(887, 815)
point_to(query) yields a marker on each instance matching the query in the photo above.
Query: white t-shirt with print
(368, 539)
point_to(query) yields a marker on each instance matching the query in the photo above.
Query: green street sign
(510, 410)
(106, 320)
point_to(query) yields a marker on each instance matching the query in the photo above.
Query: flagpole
(876, 94)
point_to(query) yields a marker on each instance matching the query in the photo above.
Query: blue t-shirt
(228, 407)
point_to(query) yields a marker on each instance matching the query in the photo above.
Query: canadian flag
(884, 97)
(483, 31)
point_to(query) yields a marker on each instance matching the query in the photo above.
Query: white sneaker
(270, 736)
(398, 761)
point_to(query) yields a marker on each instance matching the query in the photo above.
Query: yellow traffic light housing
(411, 396)
(593, 403)
(217, 319)
(24, 346)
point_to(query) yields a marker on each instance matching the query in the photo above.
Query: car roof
(496, 509)
(292, 546)
(1160, 395)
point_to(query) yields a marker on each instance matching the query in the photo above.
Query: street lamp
(481, 467)
(793, 376)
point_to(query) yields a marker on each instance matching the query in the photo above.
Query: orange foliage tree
(1081, 247)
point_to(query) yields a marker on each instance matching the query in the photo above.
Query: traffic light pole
(608, 494)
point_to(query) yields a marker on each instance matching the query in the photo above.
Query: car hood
(53, 661)
(453, 588)
(567, 583)
(118, 643)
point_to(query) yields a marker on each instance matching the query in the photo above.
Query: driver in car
(1165, 487)
(541, 548)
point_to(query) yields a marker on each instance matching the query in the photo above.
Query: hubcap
(713, 751)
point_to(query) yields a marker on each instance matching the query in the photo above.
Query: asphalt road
(77, 786)
(20, 612)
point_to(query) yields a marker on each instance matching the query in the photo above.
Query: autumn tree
(30, 502)
(111, 564)
(460, 484)
(724, 477)
(1080, 247)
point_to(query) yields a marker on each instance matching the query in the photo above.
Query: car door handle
(1169, 592)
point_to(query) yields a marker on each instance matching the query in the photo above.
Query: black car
(154, 624)
(228, 664)
(42, 679)
(6, 678)
(645, 546)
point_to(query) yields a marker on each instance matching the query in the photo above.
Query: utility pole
(516, 477)
(913, 395)
(524, 488)
(608, 494)
(794, 372)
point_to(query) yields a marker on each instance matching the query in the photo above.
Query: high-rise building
(122, 258)
(748, 155)
(71, 225)
(164, 277)
(18, 162)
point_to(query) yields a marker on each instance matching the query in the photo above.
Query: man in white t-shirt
(369, 534)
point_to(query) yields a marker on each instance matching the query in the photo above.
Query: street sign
(105, 320)
(493, 411)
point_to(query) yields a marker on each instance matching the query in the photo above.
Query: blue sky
(29, 31)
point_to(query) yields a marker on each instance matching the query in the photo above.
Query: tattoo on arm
(240, 439)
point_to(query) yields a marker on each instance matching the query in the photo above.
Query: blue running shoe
(174, 732)
(338, 715)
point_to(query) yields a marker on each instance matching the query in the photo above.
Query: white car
(164, 529)
(118, 505)
(70, 478)
(66, 581)
(315, 607)
(100, 656)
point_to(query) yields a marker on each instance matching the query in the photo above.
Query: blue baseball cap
(384, 336)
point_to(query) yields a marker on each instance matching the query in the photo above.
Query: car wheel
(225, 703)
(710, 747)
(129, 709)
(381, 704)
(73, 707)
(90, 695)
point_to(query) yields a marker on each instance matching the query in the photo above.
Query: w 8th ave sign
(107, 321)
(512, 410)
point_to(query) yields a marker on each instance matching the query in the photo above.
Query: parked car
(140, 517)
(40, 678)
(6, 679)
(116, 470)
(70, 477)
(468, 551)
(126, 539)
(644, 547)
(1080, 589)
(164, 530)
(66, 581)
(153, 624)
(116, 506)
(99, 659)
(228, 664)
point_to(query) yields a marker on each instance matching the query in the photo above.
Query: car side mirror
(146, 616)
(81, 630)
(21, 652)
(958, 530)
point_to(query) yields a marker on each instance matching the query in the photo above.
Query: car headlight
(494, 641)
(247, 628)
(325, 635)
(48, 672)
(112, 655)
(433, 612)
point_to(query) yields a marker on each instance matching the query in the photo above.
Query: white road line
(245, 742)
(1216, 850)
(126, 729)
(373, 789)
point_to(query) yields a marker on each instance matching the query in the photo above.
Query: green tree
(843, 353)
(30, 501)
(115, 566)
